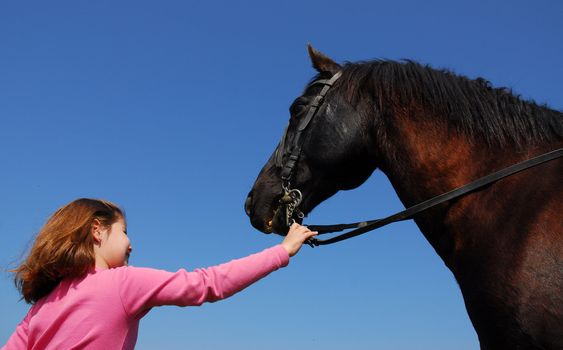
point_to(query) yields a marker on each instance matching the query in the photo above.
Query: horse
(429, 131)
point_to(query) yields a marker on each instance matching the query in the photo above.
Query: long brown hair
(64, 247)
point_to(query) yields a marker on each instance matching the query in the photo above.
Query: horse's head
(325, 149)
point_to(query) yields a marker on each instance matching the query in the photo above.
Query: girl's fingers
(303, 231)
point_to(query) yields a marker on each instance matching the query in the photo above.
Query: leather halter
(292, 197)
(287, 169)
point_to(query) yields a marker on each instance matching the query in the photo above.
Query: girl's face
(114, 248)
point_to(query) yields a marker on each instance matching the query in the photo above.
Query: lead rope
(366, 226)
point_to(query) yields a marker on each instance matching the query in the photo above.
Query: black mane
(473, 107)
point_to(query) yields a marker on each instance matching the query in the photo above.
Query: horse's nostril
(248, 205)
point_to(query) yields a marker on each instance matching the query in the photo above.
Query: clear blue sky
(171, 108)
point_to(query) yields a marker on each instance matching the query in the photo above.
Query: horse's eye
(297, 109)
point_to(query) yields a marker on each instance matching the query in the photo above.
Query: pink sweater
(102, 310)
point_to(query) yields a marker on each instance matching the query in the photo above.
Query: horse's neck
(426, 158)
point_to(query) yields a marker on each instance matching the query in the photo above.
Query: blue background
(171, 108)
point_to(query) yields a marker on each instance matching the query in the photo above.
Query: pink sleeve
(143, 288)
(18, 339)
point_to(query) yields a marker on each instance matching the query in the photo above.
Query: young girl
(85, 296)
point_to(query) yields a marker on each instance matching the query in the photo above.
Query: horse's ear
(321, 62)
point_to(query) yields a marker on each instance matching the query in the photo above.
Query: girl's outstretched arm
(142, 288)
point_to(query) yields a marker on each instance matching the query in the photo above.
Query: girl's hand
(295, 237)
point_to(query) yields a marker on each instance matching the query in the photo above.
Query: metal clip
(291, 199)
